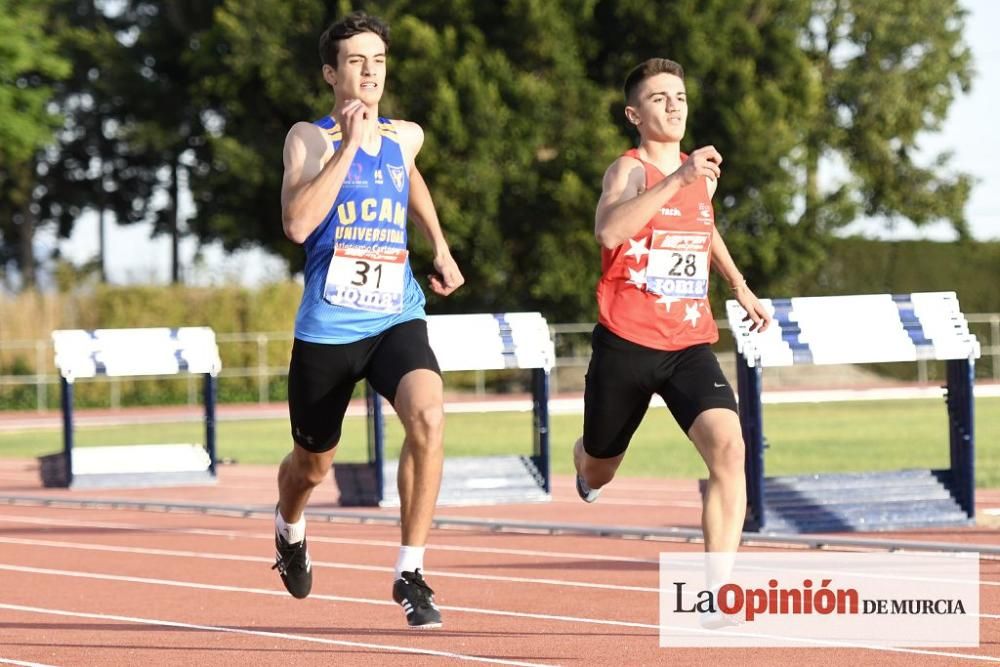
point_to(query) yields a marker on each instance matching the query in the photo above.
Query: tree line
(117, 106)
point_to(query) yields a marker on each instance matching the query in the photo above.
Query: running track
(86, 586)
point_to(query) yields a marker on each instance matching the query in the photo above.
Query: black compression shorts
(321, 378)
(622, 378)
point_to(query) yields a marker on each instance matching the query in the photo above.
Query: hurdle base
(856, 502)
(467, 480)
(128, 466)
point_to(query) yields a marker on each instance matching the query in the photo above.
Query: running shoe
(294, 566)
(587, 494)
(416, 598)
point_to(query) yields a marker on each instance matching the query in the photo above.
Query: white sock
(410, 558)
(292, 532)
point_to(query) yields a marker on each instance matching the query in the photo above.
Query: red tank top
(654, 287)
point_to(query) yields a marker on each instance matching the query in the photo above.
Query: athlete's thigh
(694, 383)
(615, 398)
(402, 349)
(717, 436)
(321, 380)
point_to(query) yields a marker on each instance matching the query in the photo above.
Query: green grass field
(878, 435)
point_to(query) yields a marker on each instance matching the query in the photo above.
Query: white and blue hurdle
(464, 343)
(851, 330)
(81, 354)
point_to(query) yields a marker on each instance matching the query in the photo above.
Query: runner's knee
(726, 456)
(310, 469)
(425, 426)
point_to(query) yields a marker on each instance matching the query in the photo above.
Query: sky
(970, 132)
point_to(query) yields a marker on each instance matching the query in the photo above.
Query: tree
(161, 123)
(888, 72)
(29, 64)
(91, 166)
(522, 109)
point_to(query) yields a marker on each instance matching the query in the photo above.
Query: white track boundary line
(213, 532)
(345, 566)
(265, 633)
(346, 541)
(87, 546)
(318, 596)
(8, 661)
(32, 570)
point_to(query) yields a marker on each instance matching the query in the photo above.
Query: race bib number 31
(678, 264)
(366, 279)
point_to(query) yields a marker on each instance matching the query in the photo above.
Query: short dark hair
(353, 24)
(649, 68)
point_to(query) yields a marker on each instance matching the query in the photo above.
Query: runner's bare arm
(723, 262)
(309, 187)
(447, 277)
(626, 206)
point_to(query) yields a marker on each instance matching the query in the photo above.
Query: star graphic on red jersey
(637, 278)
(637, 249)
(667, 301)
(691, 314)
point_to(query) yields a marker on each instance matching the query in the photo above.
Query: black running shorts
(622, 378)
(321, 378)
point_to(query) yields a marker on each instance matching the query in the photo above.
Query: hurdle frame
(91, 365)
(958, 479)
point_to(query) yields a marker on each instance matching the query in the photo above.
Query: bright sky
(970, 132)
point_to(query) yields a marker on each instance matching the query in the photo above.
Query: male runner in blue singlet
(349, 186)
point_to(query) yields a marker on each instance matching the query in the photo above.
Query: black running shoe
(294, 567)
(416, 598)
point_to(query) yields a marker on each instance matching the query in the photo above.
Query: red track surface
(124, 587)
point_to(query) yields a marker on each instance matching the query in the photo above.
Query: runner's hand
(354, 115)
(702, 163)
(447, 278)
(756, 312)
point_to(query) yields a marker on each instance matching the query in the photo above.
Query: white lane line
(266, 633)
(268, 535)
(8, 661)
(332, 598)
(173, 553)
(164, 582)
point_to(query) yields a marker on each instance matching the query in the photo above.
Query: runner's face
(660, 109)
(360, 72)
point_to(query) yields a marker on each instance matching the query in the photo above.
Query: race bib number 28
(678, 264)
(366, 279)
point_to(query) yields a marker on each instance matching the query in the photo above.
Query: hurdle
(463, 343)
(849, 330)
(83, 354)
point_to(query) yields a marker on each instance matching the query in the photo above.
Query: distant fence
(27, 365)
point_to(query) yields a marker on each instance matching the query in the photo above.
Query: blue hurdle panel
(133, 352)
(849, 330)
(469, 342)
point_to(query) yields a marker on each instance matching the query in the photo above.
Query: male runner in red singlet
(658, 240)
